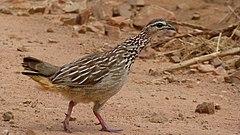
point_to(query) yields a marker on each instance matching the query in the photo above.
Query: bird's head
(157, 25)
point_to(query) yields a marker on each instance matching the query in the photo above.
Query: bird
(95, 77)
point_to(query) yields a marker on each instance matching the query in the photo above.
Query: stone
(73, 8)
(232, 62)
(217, 107)
(39, 9)
(158, 118)
(112, 31)
(124, 10)
(175, 59)
(83, 17)
(216, 62)
(237, 63)
(116, 12)
(22, 49)
(100, 26)
(192, 71)
(182, 6)
(151, 12)
(7, 116)
(237, 33)
(119, 21)
(5, 10)
(5, 132)
(22, 13)
(180, 116)
(103, 9)
(220, 71)
(233, 78)
(92, 29)
(54, 7)
(204, 68)
(49, 30)
(196, 16)
(69, 20)
(34, 103)
(205, 107)
(139, 3)
(82, 29)
(153, 72)
(50, 40)
(158, 81)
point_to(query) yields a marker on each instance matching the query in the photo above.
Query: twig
(202, 59)
(234, 31)
(229, 15)
(233, 11)
(194, 26)
(218, 43)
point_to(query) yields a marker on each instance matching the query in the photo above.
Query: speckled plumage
(96, 77)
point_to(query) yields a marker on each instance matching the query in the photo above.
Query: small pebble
(217, 107)
(7, 116)
(206, 107)
(50, 30)
(5, 132)
(52, 41)
(196, 16)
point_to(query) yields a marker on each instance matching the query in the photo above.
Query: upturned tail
(39, 71)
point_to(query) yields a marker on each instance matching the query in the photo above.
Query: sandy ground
(132, 109)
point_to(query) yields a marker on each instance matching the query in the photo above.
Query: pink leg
(68, 116)
(96, 108)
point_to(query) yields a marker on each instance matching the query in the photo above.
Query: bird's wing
(87, 71)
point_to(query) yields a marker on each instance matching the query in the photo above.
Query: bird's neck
(133, 47)
(137, 43)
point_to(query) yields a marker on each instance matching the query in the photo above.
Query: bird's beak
(170, 27)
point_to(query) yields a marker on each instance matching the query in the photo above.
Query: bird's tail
(39, 71)
(38, 66)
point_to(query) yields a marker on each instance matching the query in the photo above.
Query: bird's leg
(96, 109)
(68, 116)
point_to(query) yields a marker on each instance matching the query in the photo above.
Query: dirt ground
(134, 108)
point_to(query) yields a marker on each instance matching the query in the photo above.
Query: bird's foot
(110, 130)
(66, 126)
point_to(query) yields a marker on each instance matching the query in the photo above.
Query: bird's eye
(159, 25)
